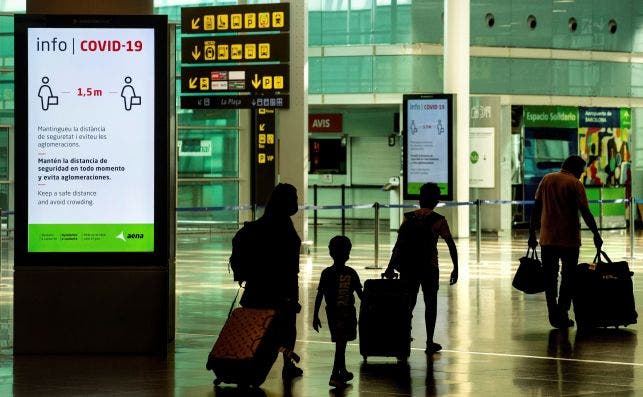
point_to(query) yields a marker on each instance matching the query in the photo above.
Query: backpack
(416, 243)
(242, 259)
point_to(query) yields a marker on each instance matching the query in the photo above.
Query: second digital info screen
(427, 144)
(90, 140)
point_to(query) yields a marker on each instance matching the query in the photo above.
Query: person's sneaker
(432, 348)
(336, 380)
(291, 372)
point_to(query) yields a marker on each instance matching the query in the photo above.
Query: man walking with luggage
(559, 198)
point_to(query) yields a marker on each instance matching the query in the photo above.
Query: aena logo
(125, 237)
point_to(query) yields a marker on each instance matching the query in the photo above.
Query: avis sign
(329, 122)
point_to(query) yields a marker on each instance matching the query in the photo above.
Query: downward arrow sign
(256, 83)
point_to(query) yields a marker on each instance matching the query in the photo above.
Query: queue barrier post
(376, 207)
(478, 229)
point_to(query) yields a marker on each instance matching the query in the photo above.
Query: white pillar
(292, 123)
(456, 81)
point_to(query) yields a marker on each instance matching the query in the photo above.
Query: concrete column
(292, 124)
(456, 81)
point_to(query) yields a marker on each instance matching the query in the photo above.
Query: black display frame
(450, 98)
(159, 256)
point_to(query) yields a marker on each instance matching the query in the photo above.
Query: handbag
(530, 276)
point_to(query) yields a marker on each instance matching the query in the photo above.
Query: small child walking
(337, 286)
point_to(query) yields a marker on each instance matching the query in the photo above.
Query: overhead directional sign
(217, 61)
(234, 101)
(235, 49)
(250, 78)
(231, 19)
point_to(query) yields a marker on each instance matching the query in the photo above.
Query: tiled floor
(497, 341)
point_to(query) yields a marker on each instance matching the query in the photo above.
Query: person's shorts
(342, 323)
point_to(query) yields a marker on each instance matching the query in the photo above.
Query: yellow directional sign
(262, 127)
(262, 139)
(237, 51)
(209, 50)
(264, 50)
(264, 20)
(204, 84)
(196, 53)
(237, 18)
(261, 158)
(223, 52)
(267, 82)
(250, 20)
(238, 48)
(278, 82)
(263, 79)
(208, 22)
(270, 139)
(278, 19)
(236, 21)
(250, 51)
(222, 22)
(256, 83)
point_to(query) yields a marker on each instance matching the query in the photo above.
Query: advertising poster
(603, 142)
(90, 127)
(427, 143)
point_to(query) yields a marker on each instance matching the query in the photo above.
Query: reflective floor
(497, 341)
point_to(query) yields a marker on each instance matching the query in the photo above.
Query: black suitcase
(603, 295)
(385, 320)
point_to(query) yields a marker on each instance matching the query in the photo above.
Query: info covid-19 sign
(90, 126)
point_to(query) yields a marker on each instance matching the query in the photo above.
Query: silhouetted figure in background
(337, 285)
(415, 256)
(273, 258)
(559, 198)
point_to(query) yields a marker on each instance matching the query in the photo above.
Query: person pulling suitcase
(559, 198)
(415, 256)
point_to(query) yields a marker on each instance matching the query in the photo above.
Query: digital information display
(90, 147)
(428, 137)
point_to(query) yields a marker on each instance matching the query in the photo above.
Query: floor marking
(539, 357)
(469, 352)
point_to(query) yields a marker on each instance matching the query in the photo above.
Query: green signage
(91, 238)
(414, 187)
(626, 118)
(551, 116)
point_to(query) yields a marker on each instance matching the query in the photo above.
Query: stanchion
(478, 230)
(632, 221)
(315, 214)
(343, 209)
(376, 206)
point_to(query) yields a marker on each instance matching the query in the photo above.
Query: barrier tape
(246, 207)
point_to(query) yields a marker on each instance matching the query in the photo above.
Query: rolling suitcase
(603, 295)
(385, 320)
(246, 347)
